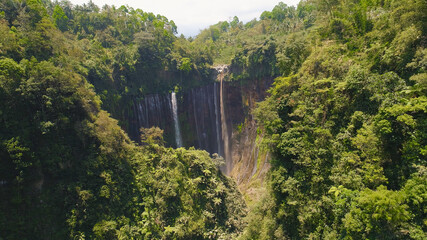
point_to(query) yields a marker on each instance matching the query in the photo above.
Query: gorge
(309, 122)
(205, 117)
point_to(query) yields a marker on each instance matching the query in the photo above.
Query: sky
(191, 16)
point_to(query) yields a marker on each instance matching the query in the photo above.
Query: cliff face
(250, 157)
(216, 117)
(199, 117)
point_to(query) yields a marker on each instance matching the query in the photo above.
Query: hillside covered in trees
(346, 118)
(345, 123)
(68, 171)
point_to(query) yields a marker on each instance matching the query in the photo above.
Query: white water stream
(178, 137)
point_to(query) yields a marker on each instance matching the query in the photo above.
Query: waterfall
(146, 113)
(227, 153)
(178, 138)
(218, 136)
(154, 110)
(207, 115)
(195, 116)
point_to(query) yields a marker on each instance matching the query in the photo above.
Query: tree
(377, 214)
(60, 19)
(235, 22)
(152, 135)
(185, 65)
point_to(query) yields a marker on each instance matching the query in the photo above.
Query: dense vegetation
(346, 122)
(67, 170)
(346, 119)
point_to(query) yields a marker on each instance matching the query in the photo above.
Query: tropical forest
(307, 122)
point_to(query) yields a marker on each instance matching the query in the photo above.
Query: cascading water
(193, 94)
(154, 110)
(201, 118)
(206, 115)
(178, 138)
(199, 110)
(217, 120)
(227, 153)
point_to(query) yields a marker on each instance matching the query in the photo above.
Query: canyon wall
(215, 117)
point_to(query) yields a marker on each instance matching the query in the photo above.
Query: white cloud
(193, 15)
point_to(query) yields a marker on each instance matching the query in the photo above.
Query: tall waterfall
(227, 153)
(178, 138)
(193, 94)
(217, 120)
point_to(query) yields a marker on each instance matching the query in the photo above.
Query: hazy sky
(191, 16)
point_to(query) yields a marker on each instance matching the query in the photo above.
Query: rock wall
(250, 156)
(210, 124)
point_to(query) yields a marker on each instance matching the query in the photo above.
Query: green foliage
(346, 121)
(376, 214)
(401, 49)
(291, 53)
(60, 19)
(185, 197)
(68, 170)
(256, 60)
(185, 65)
(152, 135)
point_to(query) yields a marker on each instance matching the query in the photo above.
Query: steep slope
(346, 127)
(336, 151)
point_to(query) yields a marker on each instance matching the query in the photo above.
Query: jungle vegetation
(345, 121)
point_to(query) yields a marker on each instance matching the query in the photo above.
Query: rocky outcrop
(250, 156)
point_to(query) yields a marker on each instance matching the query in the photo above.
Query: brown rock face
(250, 157)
